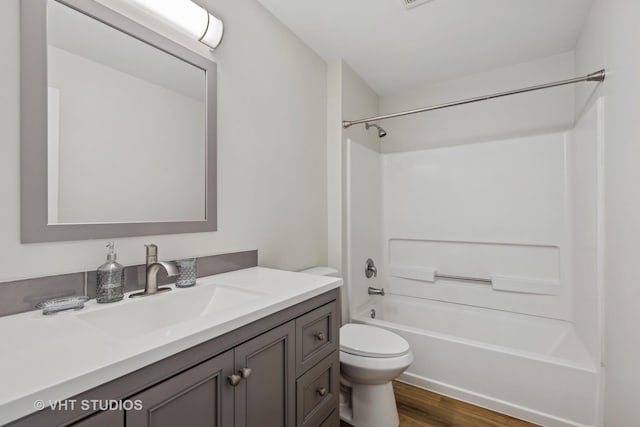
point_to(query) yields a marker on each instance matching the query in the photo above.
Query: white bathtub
(529, 367)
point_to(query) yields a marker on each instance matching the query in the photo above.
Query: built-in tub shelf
(498, 282)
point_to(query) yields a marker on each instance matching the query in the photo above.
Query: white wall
(271, 147)
(334, 167)
(364, 211)
(348, 96)
(358, 101)
(531, 113)
(585, 170)
(607, 41)
(479, 210)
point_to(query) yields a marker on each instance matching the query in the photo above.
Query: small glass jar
(186, 273)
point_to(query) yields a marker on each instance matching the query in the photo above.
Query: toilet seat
(369, 341)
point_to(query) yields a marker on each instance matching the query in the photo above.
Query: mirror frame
(33, 126)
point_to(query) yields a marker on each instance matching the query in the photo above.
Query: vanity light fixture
(188, 17)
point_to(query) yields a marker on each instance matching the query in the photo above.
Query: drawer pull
(245, 373)
(234, 379)
(319, 336)
(322, 391)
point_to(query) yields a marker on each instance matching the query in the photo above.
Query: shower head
(381, 132)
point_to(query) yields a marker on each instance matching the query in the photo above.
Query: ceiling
(393, 48)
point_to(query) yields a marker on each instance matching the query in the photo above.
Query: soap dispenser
(110, 284)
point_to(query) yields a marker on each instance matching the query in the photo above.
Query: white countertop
(51, 358)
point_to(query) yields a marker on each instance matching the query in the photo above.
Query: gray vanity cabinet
(279, 371)
(198, 397)
(102, 419)
(255, 383)
(267, 396)
(332, 420)
(252, 385)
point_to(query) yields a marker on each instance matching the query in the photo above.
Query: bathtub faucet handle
(375, 291)
(370, 269)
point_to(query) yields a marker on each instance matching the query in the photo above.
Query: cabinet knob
(234, 379)
(322, 391)
(245, 372)
(319, 336)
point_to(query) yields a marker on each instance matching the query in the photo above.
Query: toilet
(370, 358)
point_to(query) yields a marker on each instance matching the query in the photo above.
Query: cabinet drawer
(317, 392)
(316, 336)
(332, 420)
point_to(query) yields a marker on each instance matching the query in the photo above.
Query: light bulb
(187, 17)
(213, 35)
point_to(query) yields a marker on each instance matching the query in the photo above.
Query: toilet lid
(369, 341)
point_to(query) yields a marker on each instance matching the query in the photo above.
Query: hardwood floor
(422, 408)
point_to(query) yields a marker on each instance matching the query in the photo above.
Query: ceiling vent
(410, 4)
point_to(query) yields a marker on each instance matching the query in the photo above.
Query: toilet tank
(328, 271)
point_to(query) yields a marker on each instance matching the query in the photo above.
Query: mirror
(126, 118)
(118, 127)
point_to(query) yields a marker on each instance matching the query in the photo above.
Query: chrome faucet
(153, 266)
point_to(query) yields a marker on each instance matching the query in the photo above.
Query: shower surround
(523, 215)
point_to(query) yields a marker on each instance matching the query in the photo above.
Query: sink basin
(149, 314)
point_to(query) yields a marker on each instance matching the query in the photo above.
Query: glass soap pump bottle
(110, 284)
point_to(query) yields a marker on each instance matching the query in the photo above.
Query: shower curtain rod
(598, 76)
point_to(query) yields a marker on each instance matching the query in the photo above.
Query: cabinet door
(101, 419)
(198, 397)
(332, 420)
(267, 396)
